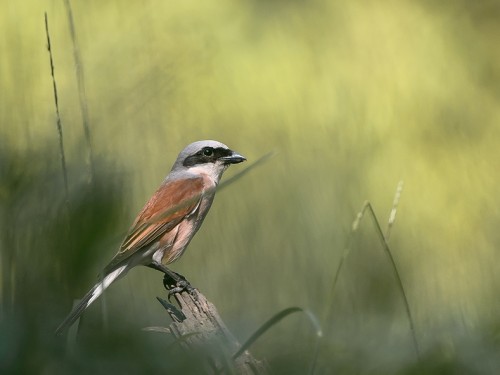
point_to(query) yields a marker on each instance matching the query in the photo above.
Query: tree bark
(199, 327)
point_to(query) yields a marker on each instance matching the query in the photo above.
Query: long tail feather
(89, 298)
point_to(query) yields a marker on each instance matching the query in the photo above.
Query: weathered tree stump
(198, 326)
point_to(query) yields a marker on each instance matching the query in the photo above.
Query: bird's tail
(90, 297)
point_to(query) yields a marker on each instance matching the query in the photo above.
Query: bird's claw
(177, 286)
(180, 286)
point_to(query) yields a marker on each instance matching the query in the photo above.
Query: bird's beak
(234, 158)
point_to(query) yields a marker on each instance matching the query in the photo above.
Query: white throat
(213, 170)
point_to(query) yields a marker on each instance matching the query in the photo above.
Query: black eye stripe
(206, 155)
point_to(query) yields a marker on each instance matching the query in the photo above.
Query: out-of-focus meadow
(352, 96)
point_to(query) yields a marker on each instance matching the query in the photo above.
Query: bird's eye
(208, 151)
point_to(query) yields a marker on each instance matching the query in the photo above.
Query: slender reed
(383, 240)
(81, 89)
(58, 117)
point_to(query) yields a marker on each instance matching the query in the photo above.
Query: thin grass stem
(275, 320)
(58, 117)
(383, 240)
(82, 96)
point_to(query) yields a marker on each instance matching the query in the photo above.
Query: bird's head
(208, 157)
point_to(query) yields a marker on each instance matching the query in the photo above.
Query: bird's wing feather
(172, 202)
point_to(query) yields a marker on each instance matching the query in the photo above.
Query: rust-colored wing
(168, 206)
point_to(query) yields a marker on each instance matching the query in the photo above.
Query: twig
(198, 325)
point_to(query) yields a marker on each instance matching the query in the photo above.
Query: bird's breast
(174, 243)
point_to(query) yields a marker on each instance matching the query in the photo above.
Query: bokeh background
(352, 96)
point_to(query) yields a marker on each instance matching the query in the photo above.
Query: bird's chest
(174, 243)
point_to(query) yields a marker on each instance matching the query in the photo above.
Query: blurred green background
(353, 96)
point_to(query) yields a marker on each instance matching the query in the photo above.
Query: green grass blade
(399, 281)
(368, 207)
(275, 320)
(263, 159)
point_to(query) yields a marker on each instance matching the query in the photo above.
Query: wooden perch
(199, 327)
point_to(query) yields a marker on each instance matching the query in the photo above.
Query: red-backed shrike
(169, 220)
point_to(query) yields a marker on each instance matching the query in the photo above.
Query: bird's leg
(173, 281)
(178, 285)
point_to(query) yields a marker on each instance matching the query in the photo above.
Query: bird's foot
(176, 283)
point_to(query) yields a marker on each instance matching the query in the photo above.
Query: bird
(164, 227)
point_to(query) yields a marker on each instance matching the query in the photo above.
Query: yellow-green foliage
(352, 95)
